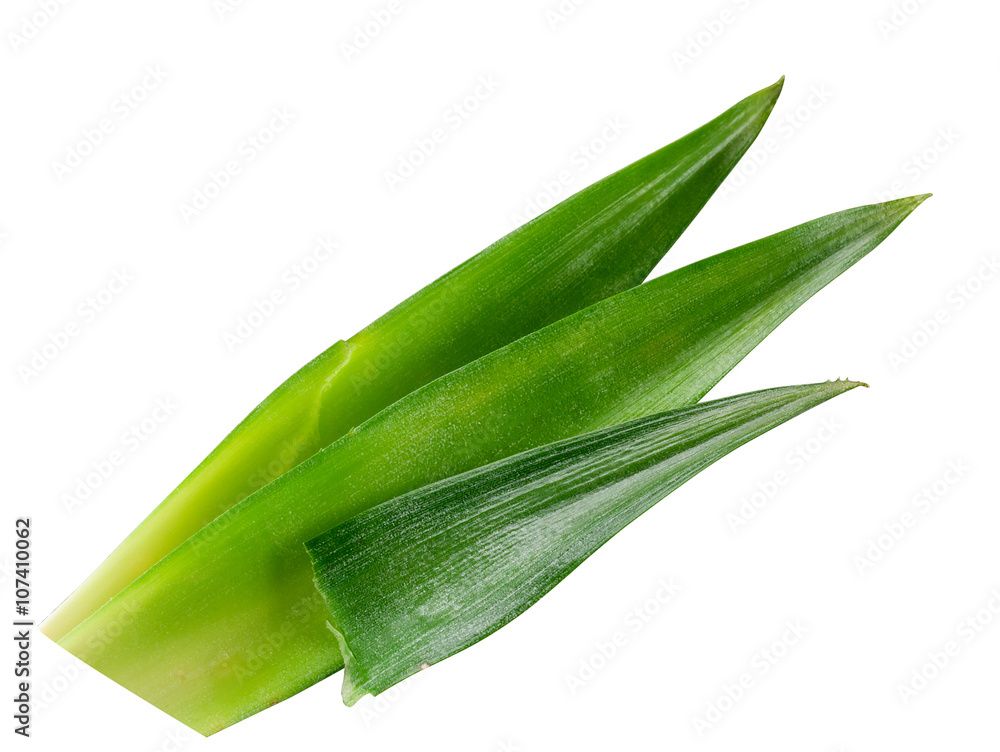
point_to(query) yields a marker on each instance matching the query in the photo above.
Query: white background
(891, 85)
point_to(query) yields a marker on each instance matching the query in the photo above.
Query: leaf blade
(662, 345)
(602, 240)
(423, 576)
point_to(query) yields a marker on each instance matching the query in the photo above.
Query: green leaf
(199, 622)
(605, 239)
(429, 573)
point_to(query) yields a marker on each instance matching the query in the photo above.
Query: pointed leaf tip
(766, 98)
(901, 208)
(848, 384)
(909, 203)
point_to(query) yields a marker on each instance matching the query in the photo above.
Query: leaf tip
(908, 204)
(847, 384)
(767, 97)
(758, 106)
